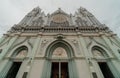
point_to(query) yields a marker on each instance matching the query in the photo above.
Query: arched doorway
(16, 62)
(59, 61)
(59, 65)
(102, 60)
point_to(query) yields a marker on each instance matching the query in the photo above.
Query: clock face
(59, 18)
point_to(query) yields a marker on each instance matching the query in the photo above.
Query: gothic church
(59, 45)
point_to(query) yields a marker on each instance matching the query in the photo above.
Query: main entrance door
(59, 70)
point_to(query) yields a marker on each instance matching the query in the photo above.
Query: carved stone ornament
(23, 53)
(98, 54)
(60, 36)
(59, 52)
(38, 22)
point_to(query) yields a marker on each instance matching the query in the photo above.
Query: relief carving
(43, 44)
(81, 22)
(38, 21)
(97, 54)
(59, 52)
(21, 54)
(75, 42)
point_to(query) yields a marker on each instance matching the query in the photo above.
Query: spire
(83, 9)
(34, 12)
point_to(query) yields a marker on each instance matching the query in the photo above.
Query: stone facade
(78, 44)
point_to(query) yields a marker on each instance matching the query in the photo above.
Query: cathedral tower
(59, 45)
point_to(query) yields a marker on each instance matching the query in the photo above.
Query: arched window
(102, 61)
(98, 52)
(15, 65)
(21, 52)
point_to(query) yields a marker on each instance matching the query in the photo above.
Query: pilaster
(116, 62)
(85, 52)
(97, 69)
(5, 69)
(33, 52)
(22, 68)
(6, 49)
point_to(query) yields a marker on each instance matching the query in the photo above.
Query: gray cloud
(12, 11)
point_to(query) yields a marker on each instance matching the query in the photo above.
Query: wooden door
(63, 70)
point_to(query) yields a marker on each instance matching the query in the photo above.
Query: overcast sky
(13, 11)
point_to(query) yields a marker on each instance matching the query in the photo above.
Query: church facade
(59, 45)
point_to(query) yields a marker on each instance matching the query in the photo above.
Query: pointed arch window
(103, 64)
(14, 65)
(21, 52)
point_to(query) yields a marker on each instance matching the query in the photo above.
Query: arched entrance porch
(59, 62)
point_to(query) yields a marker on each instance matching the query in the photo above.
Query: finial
(59, 8)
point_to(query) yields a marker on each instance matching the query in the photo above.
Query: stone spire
(89, 17)
(31, 17)
(36, 19)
